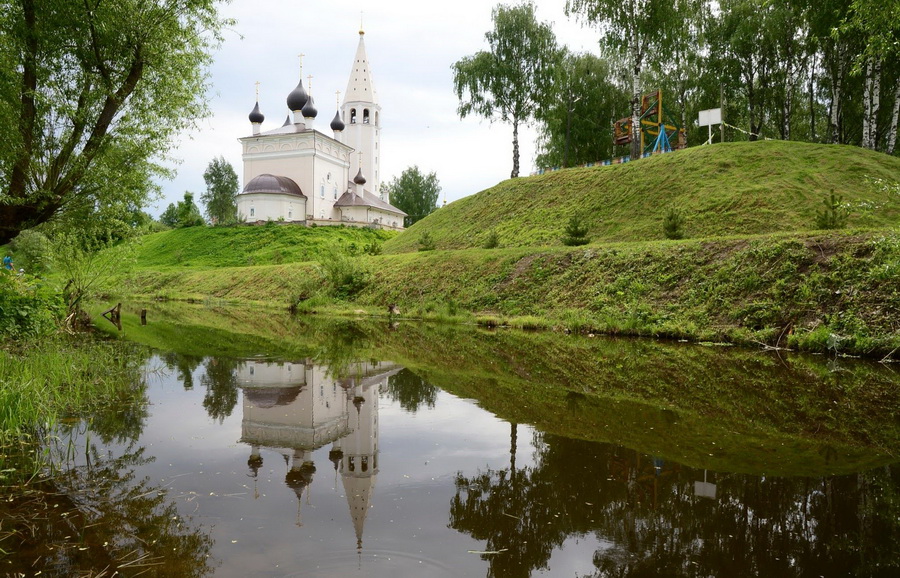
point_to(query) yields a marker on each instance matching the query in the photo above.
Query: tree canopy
(184, 214)
(509, 80)
(221, 192)
(413, 193)
(93, 93)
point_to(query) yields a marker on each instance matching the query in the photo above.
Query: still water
(345, 449)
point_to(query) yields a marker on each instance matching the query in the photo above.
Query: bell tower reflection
(294, 408)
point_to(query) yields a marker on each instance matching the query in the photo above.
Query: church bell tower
(362, 117)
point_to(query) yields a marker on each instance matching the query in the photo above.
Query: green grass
(246, 246)
(47, 380)
(721, 190)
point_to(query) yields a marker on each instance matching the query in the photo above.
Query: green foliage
(744, 188)
(571, 130)
(835, 213)
(426, 243)
(96, 92)
(492, 241)
(673, 224)
(33, 252)
(509, 80)
(344, 275)
(413, 193)
(28, 307)
(184, 214)
(221, 192)
(576, 232)
(86, 263)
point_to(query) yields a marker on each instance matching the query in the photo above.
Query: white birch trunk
(876, 105)
(836, 95)
(895, 116)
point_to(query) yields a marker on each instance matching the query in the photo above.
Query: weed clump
(492, 241)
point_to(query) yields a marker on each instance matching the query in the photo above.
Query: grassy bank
(836, 292)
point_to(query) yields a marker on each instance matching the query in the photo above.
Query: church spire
(360, 87)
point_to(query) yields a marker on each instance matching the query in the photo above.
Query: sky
(411, 47)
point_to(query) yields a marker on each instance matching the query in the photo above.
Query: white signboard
(710, 117)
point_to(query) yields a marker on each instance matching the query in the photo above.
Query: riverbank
(834, 292)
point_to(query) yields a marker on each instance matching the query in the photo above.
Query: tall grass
(62, 377)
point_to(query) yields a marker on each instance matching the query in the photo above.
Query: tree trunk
(636, 109)
(871, 102)
(515, 169)
(895, 116)
(837, 83)
(812, 99)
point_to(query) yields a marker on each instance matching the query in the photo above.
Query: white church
(296, 174)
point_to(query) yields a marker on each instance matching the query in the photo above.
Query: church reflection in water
(295, 408)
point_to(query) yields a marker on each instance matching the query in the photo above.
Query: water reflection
(294, 408)
(507, 454)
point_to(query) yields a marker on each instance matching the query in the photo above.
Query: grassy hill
(730, 189)
(212, 247)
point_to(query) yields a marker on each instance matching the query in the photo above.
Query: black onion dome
(337, 124)
(309, 109)
(359, 179)
(256, 117)
(296, 100)
(266, 183)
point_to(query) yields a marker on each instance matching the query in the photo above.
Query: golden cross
(257, 91)
(300, 56)
(309, 83)
(337, 97)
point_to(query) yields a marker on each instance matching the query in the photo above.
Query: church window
(365, 463)
(328, 177)
(322, 191)
(252, 212)
(365, 116)
(352, 116)
(352, 463)
(290, 216)
(376, 123)
(335, 193)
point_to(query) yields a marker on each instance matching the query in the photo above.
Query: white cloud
(411, 47)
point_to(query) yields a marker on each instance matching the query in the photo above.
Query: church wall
(253, 207)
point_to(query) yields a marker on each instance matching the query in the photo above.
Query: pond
(280, 446)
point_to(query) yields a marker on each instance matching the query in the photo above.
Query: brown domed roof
(266, 183)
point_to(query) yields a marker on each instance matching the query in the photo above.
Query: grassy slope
(728, 189)
(208, 247)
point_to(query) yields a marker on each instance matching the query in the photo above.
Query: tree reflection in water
(220, 381)
(97, 519)
(410, 391)
(658, 521)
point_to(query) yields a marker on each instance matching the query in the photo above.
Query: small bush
(28, 309)
(344, 274)
(673, 224)
(834, 215)
(492, 241)
(575, 233)
(33, 252)
(426, 243)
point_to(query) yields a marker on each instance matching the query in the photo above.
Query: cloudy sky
(411, 46)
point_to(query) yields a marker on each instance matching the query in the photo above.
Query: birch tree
(508, 81)
(634, 27)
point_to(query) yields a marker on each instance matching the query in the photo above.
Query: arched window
(365, 116)
(252, 211)
(352, 116)
(376, 118)
(335, 193)
(322, 191)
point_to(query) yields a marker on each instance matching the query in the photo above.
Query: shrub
(27, 307)
(492, 241)
(344, 274)
(426, 243)
(575, 232)
(673, 223)
(834, 215)
(33, 252)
